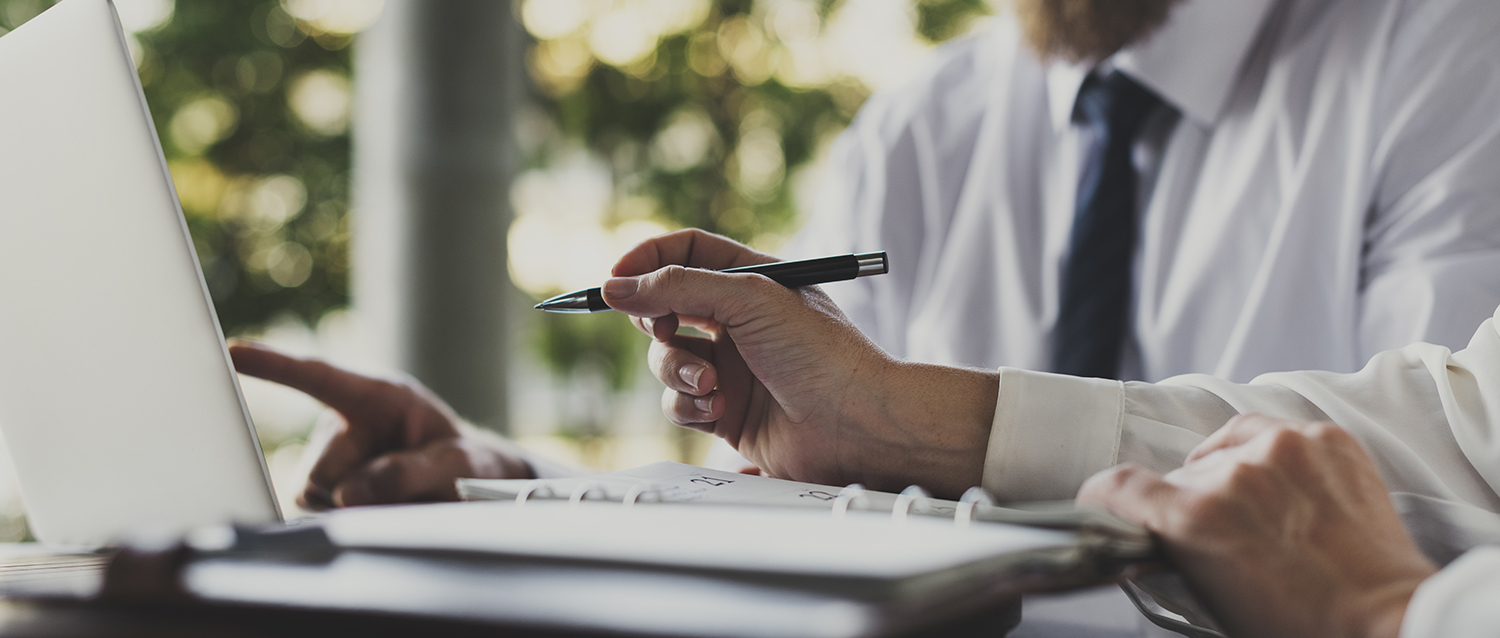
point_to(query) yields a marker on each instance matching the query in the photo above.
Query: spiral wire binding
(851, 492)
(531, 488)
(584, 489)
(972, 498)
(910, 497)
(641, 489)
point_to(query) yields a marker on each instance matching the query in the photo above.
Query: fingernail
(704, 404)
(691, 373)
(317, 492)
(621, 287)
(315, 499)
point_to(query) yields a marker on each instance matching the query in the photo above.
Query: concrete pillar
(437, 82)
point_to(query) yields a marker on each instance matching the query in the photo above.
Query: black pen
(792, 274)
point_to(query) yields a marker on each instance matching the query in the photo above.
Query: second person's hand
(389, 440)
(1284, 528)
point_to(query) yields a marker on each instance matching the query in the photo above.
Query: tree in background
(649, 115)
(251, 99)
(659, 114)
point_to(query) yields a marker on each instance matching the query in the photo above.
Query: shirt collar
(1193, 61)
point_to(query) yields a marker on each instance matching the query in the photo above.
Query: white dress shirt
(1327, 187)
(1429, 417)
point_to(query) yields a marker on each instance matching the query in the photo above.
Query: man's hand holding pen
(787, 380)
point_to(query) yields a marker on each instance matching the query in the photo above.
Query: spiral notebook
(678, 483)
(1095, 542)
(662, 550)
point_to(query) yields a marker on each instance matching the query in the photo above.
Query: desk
(1094, 613)
(1098, 612)
(19, 619)
(516, 609)
(390, 594)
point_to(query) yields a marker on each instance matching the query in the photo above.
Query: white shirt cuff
(1051, 433)
(1458, 601)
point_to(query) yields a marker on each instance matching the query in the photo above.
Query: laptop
(118, 400)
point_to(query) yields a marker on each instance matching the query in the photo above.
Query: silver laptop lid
(117, 398)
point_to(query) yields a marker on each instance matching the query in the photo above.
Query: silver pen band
(871, 264)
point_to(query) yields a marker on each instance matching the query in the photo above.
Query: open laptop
(117, 397)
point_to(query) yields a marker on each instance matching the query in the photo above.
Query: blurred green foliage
(264, 192)
(249, 52)
(703, 130)
(619, 111)
(720, 73)
(939, 20)
(608, 344)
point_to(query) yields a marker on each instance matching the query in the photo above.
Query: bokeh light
(322, 100)
(685, 141)
(572, 204)
(202, 122)
(622, 35)
(340, 17)
(553, 19)
(273, 200)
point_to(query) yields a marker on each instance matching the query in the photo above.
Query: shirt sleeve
(1459, 601)
(1430, 419)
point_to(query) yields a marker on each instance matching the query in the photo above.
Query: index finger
(1133, 493)
(335, 387)
(692, 248)
(1238, 431)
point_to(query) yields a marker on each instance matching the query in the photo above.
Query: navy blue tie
(1089, 338)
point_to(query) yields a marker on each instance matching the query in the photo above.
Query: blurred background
(391, 185)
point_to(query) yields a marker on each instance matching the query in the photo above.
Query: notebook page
(680, 483)
(861, 545)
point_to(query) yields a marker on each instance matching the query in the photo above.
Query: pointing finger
(337, 388)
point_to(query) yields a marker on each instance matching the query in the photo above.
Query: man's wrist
(927, 425)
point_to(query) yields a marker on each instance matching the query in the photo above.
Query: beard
(1089, 30)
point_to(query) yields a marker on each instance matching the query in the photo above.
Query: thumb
(731, 299)
(424, 474)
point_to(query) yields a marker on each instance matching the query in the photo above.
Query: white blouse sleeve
(1461, 601)
(1429, 417)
